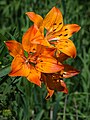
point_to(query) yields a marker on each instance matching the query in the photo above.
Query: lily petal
(69, 71)
(53, 21)
(34, 76)
(58, 85)
(67, 47)
(32, 37)
(39, 39)
(27, 37)
(37, 19)
(14, 47)
(19, 67)
(50, 93)
(62, 57)
(66, 32)
(48, 65)
(52, 85)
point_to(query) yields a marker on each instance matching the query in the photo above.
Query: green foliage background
(22, 100)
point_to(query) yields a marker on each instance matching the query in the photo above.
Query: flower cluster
(44, 48)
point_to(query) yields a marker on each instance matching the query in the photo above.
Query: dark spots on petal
(30, 52)
(66, 29)
(66, 35)
(33, 48)
(60, 23)
(60, 48)
(60, 35)
(65, 46)
(41, 60)
(54, 24)
(66, 41)
(41, 66)
(54, 29)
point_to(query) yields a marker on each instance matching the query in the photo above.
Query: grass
(20, 99)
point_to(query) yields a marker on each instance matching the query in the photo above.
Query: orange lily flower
(57, 34)
(29, 61)
(40, 57)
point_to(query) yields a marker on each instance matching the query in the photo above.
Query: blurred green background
(22, 100)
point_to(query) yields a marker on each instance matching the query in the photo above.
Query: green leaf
(5, 70)
(12, 37)
(39, 115)
(2, 37)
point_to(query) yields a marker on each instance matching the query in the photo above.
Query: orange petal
(53, 21)
(19, 67)
(48, 65)
(46, 51)
(43, 51)
(69, 71)
(39, 39)
(66, 32)
(14, 47)
(34, 76)
(33, 36)
(67, 47)
(27, 37)
(50, 93)
(37, 19)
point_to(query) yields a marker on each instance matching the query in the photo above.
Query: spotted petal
(67, 47)
(48, 65)
(66, 32)
(53, 21)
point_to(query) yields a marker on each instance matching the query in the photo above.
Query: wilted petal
(50, 93)
(54, 84)
(14, 47)
(69, 71)
(62, 57)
